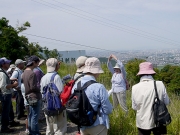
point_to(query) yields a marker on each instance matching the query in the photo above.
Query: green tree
(51, 53)
(170, 75)
(132, 68)
(12, 46)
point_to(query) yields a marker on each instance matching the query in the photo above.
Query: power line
(109, 25)
(77, 44)
(113, 21)
(129, 17)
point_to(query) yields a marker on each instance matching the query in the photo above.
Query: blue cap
(4, 60)
(1, 61)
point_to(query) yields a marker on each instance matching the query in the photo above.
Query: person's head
(80, 63)
(52, 65)
(145, 68)
(20, 63)
(117, 68)
(12, 67)
(33, 61)
(41, 62)
(5, 63)
(93, 67)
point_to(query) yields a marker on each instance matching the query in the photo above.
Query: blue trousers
(33, 118)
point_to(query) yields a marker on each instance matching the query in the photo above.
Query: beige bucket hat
(93, 65)
(80, 63)
(51, 64)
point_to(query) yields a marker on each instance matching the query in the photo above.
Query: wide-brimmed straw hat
(146, 68)
(93, 65)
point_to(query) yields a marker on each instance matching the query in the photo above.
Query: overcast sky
(106, 24)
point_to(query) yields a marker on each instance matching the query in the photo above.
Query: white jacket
(143, 95)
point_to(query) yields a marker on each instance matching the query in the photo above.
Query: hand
(14, 79)
(113, 56)
(110, 57)
(15, 84)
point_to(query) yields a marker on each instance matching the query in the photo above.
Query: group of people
(29, 85)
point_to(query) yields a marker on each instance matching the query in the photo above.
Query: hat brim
(79, 70)
(147, 72)
(93, 71)
(51, 69)
(41, 62)
(29, 63)
(7, 61)
(116, 67)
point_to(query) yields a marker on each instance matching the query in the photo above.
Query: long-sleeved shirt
(46, 80)
(118, 79)
(97, 95)
(143, 95)
(39, 75)
(4, 81)
(30, 83)
(17, 74)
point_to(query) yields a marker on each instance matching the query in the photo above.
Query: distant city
(157, 57)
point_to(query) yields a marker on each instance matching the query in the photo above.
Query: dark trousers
(19, 104)
(156, 131)
(11, 113)
(6, 106)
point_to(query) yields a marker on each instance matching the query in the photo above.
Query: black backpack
(78, 107)
(161, 114)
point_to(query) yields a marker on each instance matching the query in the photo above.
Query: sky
(111, 25)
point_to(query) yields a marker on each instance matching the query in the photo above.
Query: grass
(126, 125)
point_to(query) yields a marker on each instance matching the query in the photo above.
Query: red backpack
(66, 93)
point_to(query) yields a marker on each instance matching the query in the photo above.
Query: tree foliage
(14, 46)
(132, 68)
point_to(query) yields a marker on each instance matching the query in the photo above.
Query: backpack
(51, 100)
(67, 89)
(78, 107)
(161, 114)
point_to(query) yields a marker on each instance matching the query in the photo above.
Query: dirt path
(20, 130)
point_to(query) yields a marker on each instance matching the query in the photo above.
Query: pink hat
(146, 68)
(93, 65)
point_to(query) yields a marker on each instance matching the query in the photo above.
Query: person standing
(98, 98)
(6, 87)
(19, 98)
(32, 93)
(55, 124)
(118, 83)
(143, 95)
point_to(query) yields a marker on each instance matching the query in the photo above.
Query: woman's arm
(121, 66)
(109, 65)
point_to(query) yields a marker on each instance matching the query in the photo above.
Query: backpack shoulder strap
(155, 87)
(87, 84)
(18, 73)
(78, 77)
(52, 77)
(4, 72)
